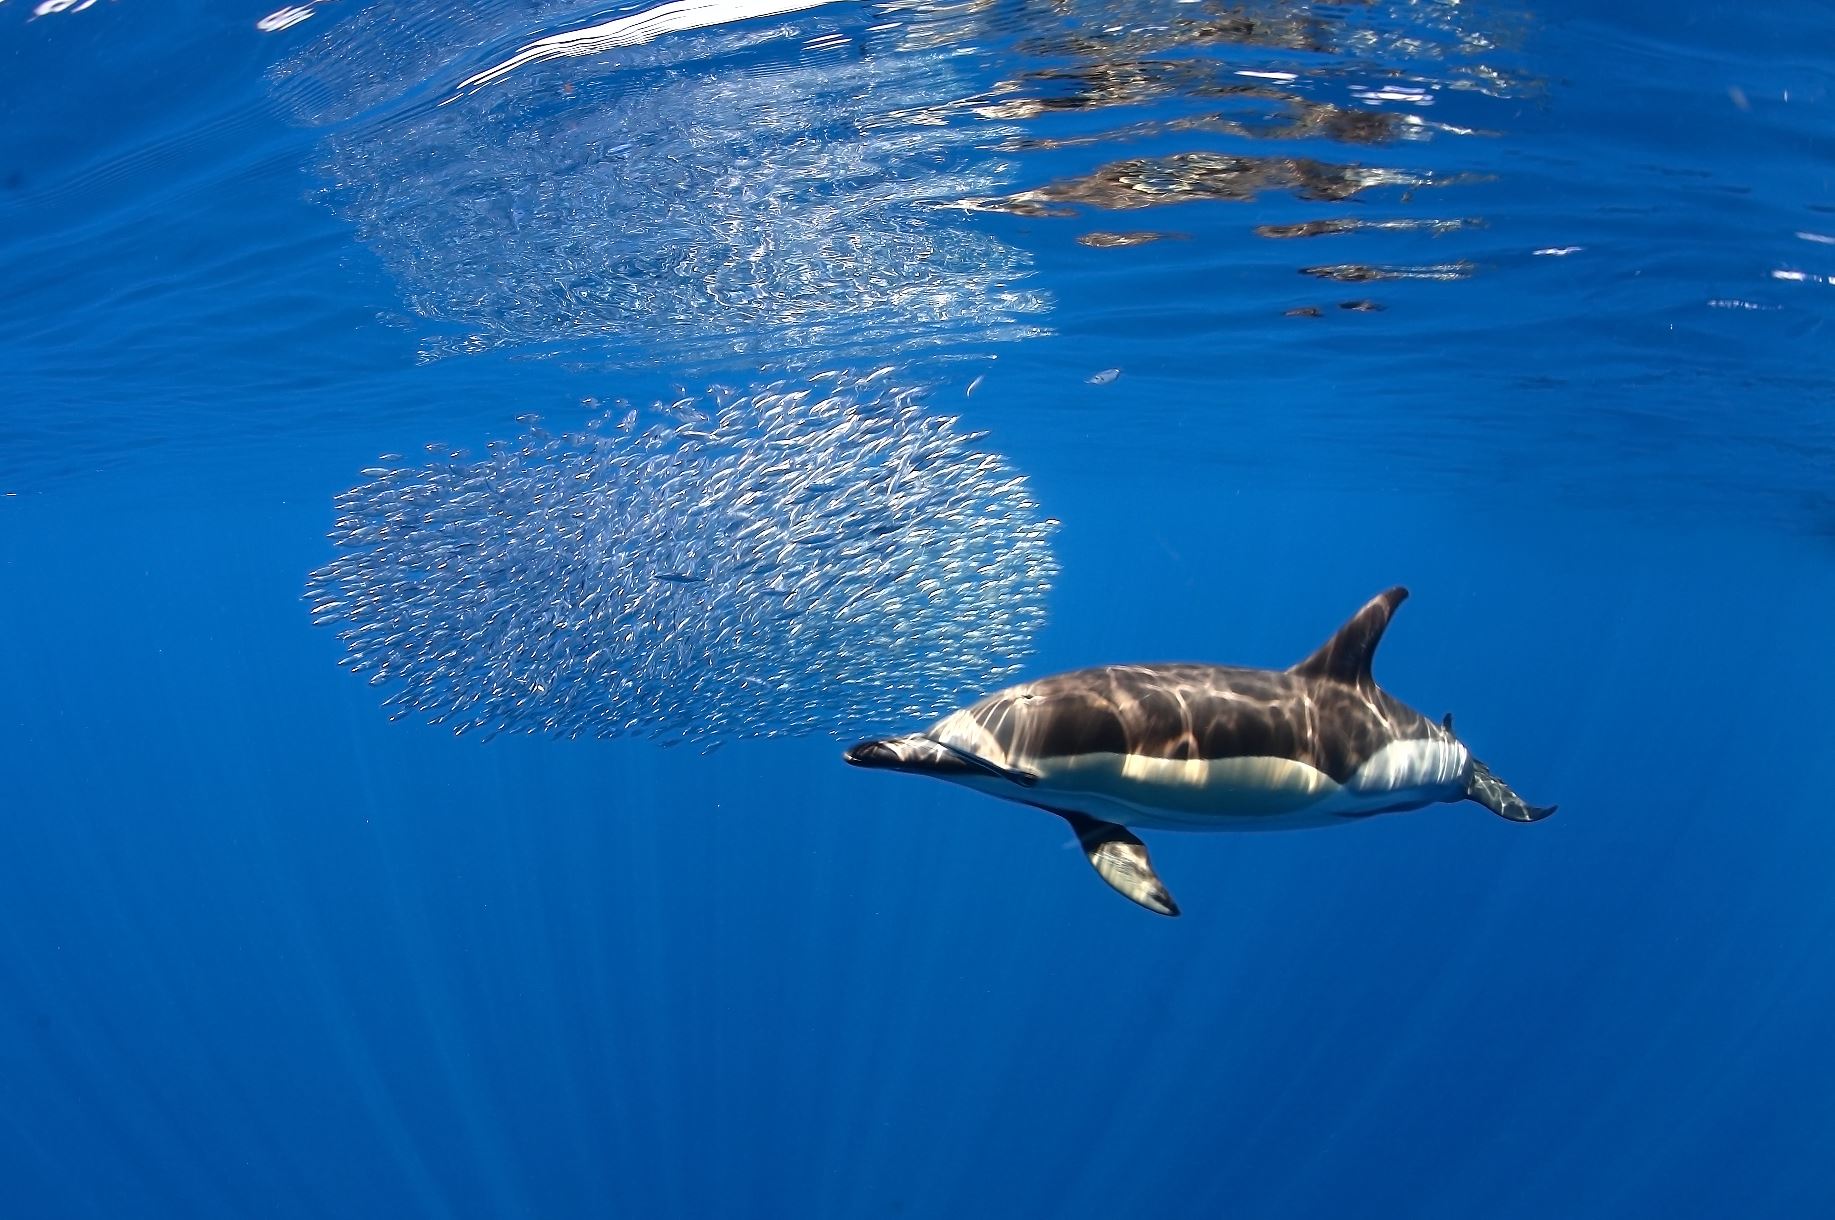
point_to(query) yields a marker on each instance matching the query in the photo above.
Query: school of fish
(826, 556)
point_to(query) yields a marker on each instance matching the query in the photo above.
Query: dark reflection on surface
(1338, 225)
(1357, 273)
(1294, 117)
(1108, 241)
(1314, 311)
(1147, 182)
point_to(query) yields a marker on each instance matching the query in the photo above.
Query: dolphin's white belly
(1252, 793)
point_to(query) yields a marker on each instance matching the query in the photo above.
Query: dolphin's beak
(914, 753)
(921, 754)
(881, 755)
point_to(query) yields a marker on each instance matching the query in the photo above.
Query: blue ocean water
(1272, 305)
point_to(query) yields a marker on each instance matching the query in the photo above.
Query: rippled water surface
(1435, 229)
(417, 414)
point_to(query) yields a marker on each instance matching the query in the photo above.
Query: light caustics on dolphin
(797, 560)
(1119, 748)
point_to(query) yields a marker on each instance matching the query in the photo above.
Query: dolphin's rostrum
(1204, 747)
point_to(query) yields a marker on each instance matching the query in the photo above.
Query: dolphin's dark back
(1194, 711)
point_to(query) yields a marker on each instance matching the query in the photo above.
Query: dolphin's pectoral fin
(1494, 794)
(1013, 775)
(1120, 859)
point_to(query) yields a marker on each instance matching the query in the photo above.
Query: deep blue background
(264, 953)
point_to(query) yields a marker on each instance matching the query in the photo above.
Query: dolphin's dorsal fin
(1346, 656)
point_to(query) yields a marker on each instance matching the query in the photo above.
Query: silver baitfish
(606, 582)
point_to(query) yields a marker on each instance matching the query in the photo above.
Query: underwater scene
(711, 608)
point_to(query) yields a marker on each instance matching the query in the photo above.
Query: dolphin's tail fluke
(1497, 796)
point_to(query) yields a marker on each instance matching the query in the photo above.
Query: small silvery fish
(540, 588)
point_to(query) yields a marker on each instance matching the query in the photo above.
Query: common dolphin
(1204, 747)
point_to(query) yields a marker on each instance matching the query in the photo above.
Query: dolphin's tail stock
(1497, 796)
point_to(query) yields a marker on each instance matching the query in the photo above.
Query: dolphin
(1119, 748)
